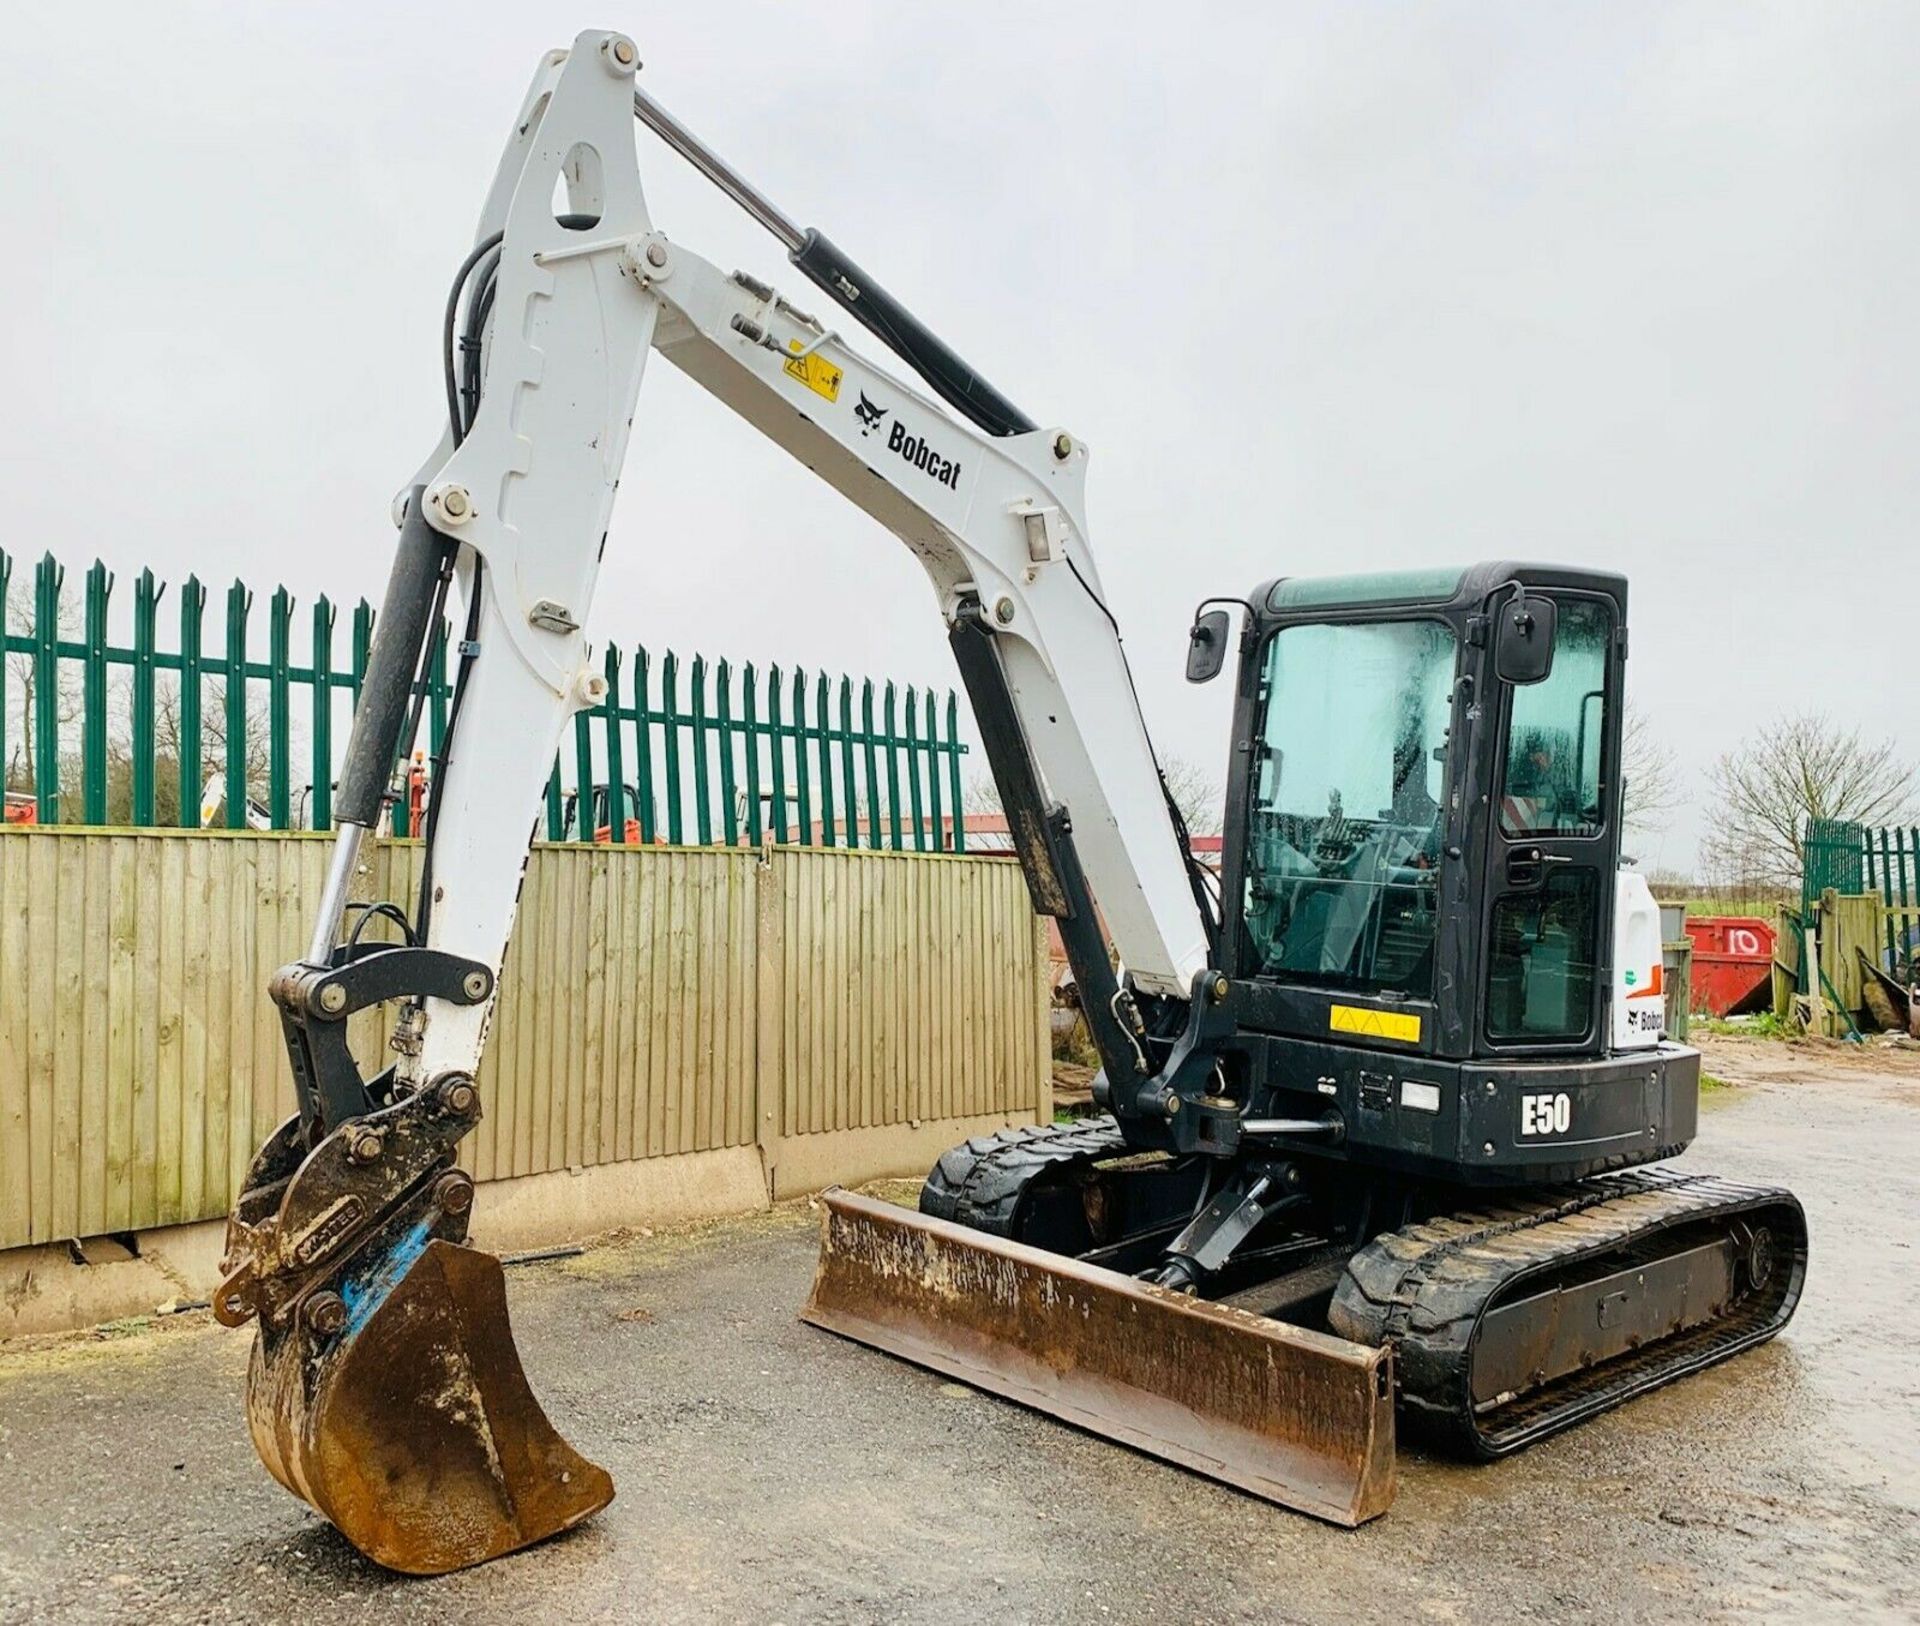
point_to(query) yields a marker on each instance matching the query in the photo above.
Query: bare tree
(1651, 790)
(22, 677)
(1194, 792)
(1794, 769)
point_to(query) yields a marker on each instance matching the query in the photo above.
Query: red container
(1732, 963)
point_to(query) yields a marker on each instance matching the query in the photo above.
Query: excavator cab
(1422, 845)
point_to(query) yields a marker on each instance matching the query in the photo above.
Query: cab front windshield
(1346, 810)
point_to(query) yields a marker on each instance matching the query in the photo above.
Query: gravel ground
(770, 1472)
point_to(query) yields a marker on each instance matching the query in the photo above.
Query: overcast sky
(1324, 286)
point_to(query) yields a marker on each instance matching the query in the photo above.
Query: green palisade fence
(98, 732)
(1893, 870)
(1852, 859)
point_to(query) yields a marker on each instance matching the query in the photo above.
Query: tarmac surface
(770, 1472)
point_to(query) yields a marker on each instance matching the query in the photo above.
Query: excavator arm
(518, 504)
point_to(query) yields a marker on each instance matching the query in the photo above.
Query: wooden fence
(654, 1001)
(1847, 931)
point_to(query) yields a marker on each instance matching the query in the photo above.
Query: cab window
(1347, 804)
(1556, 732)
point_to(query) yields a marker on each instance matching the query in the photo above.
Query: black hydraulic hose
(478, 311)
(369, 912)
(423, 904)
(481, 250)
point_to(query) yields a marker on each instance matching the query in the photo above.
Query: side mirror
(1523, 645)
(1207, 646)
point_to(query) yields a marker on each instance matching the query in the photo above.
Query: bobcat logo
(868, 414)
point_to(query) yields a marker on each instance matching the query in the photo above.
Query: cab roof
(1432, 584)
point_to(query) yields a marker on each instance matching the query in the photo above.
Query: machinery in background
(213, 799)
(603, 817)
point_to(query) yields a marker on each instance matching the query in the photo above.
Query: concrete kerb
(65, 1286)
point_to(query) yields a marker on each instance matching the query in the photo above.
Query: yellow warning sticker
(814, 371)
(1403, 1026)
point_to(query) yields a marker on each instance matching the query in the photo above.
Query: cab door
(1554, 841)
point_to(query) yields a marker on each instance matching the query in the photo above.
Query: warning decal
(1403, 1026)
(814, 371)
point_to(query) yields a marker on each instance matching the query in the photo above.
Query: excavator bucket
(1298, 1417)
(410, 1425)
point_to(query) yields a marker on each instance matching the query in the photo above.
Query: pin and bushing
(457, 1096)
(326, 1313)
(453, 1192)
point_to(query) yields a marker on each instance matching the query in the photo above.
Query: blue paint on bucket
(368, 1292)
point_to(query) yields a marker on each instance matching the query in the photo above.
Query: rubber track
(980, 1182)
(1423, 1289)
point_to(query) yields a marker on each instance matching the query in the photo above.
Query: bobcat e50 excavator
(1366, 1093)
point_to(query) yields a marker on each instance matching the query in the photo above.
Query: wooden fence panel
(140, 1062)
(1849, 928)
(675, 1000)
(920, 984)
(637, 1038)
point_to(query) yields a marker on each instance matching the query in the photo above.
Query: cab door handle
(1526, 867)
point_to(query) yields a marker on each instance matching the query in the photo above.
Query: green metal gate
(1831, 858)
(1852, 859)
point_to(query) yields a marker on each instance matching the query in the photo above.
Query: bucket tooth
(411, 1425)
(1300, 1418)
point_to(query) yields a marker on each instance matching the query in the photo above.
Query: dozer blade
(1298, 1417)
(411, 1426)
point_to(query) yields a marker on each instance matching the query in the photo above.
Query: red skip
(1732, 962)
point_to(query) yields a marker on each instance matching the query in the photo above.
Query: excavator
(1383, 1102)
